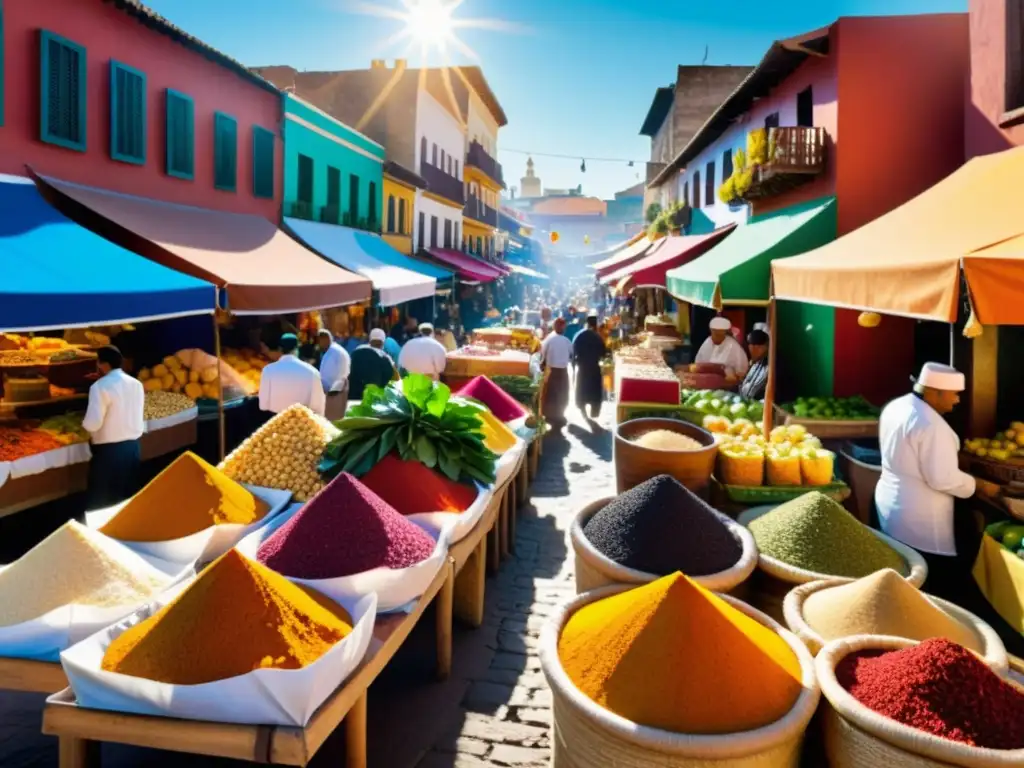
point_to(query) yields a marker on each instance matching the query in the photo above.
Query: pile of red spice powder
(413, 488)
(345, 529)
(938, 687)
(501, 403)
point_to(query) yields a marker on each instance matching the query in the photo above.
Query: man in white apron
(720, 347)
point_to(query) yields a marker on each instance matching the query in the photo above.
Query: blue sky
(574, 76)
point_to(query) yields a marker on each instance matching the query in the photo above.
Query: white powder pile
(76, 565)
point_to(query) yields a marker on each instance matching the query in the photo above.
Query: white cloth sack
(287, 697)
(77, 453)
(201, 547)
(182, 417)
(396, 589)
(43, 638)
(457, 525)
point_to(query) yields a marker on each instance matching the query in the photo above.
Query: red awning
(260, 268)
(629, 254)
(670, 252)
(467, 267)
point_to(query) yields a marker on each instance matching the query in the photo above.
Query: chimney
(378, 64)
(401, 64)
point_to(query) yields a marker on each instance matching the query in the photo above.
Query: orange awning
(908, 261)
(259, 268)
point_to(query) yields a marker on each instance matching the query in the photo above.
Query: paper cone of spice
(413, 488)
(345, 529)
(237, 617)
(501, 403)
(189, 496)
(674, 656)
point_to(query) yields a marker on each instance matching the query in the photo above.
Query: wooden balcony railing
(796, 155)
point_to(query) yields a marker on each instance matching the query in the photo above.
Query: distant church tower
(530, 184)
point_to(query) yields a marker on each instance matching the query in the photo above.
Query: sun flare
(430, 23)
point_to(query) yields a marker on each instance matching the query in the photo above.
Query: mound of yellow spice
(238, 616)
(189, 496)
(672, 655)
(497, 436)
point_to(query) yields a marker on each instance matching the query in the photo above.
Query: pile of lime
(1009, 534)
(854, 408)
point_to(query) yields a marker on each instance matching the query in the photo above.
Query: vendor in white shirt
(335, 365)
(722, 348)
(114, 421)
(290, 381)
(424, 354)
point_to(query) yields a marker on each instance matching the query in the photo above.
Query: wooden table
(32, 676)
(81, 731)
(160, 442)
(470, 557)
(22, 493)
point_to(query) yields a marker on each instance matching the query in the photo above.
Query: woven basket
(858, 737)
(593, 569)
(585, 735)
(793, 610)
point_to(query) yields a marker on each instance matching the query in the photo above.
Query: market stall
(484, 360)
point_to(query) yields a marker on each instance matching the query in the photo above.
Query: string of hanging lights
(583, 159)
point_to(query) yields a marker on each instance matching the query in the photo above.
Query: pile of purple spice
(345, 529)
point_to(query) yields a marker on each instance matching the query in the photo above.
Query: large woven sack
(585, 735)
(594, 569)
(858, 737)
(775, 578)
(793, 611)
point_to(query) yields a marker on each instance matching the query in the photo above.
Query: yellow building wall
(396, 229)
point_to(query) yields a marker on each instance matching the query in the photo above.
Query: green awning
(739, 268)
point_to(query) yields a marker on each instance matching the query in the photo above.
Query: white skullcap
(720, 324)
(944, 377)
(377, 334)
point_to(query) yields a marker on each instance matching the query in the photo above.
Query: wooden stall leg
(469, 587)
(522, 481)
(443, 607)
(513, 513)
(506, 512)
(494, 544)
(78, 753)
(355, 734)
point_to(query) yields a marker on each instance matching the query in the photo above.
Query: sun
(430, 22)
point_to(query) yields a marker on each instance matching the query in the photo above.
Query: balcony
(478, 158)
(478, 210)
(440, 183)
(796, 155)
(299, 209)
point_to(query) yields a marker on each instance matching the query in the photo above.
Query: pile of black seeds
(661, 527)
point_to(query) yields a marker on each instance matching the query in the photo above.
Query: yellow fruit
(180, 376)
(172, 363)
(211, 391)
(241, 366)
(194, 390)
(176, 387)
(145, 374)
(209, 375)
(193, 376)
(152, 385)
(160, 371)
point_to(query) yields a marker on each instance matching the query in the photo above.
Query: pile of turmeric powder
(238, 616)
(672, 655)
(189, 496)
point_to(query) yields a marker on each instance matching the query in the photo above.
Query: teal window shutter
(181, 142)
(262, 162)
(225, 152)
(62, 92)
(127, 114)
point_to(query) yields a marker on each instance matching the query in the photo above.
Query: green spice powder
(815, 533)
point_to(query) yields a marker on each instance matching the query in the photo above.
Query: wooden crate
(32, 676)
(160, 442)
(31, 491)
(829, 429)
(81, 731)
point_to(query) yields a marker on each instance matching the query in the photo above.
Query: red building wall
(901, 85)
(108, 33)
(988, 129)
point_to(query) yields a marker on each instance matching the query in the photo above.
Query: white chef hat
(939, 376)
(720, 324)
(377, 334)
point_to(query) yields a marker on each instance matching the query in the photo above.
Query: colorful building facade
(483, 175)
(400, 187)
(141, 108)
(995, 112)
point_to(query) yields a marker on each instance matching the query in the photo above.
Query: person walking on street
(555, 356)
(424, 355)
(115, 423)
(335, 365)
(588, 350)
(370, 365)
(291, 381)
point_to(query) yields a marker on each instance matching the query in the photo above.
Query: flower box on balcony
(796, 156)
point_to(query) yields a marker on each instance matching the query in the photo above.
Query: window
(401, 216)
(686, 192)
(127, 114)
(1014, 54)
(447, 233)
(449, 165)
(696, 190)
(805, 108)
(455, 237)
(262, 162)
(353, 197)
(180, 150)
(726, 164)
(442, 160)
(433, 231)
(334, 191)
(423, 149)
(423, 230)
(772, 121)
(62, 92)
(391, 213)
(709, 184)
(371, 209)
(456, 169)
(479, 246)
(433, 160)
(225, 152)
(304, 194)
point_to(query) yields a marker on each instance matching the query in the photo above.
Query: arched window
(401, 216)
(391, 213)
(423, 149)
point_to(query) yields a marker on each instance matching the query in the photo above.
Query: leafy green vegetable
(422, 421)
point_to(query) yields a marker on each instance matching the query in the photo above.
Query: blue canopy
(57, 274)
(377, 248)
